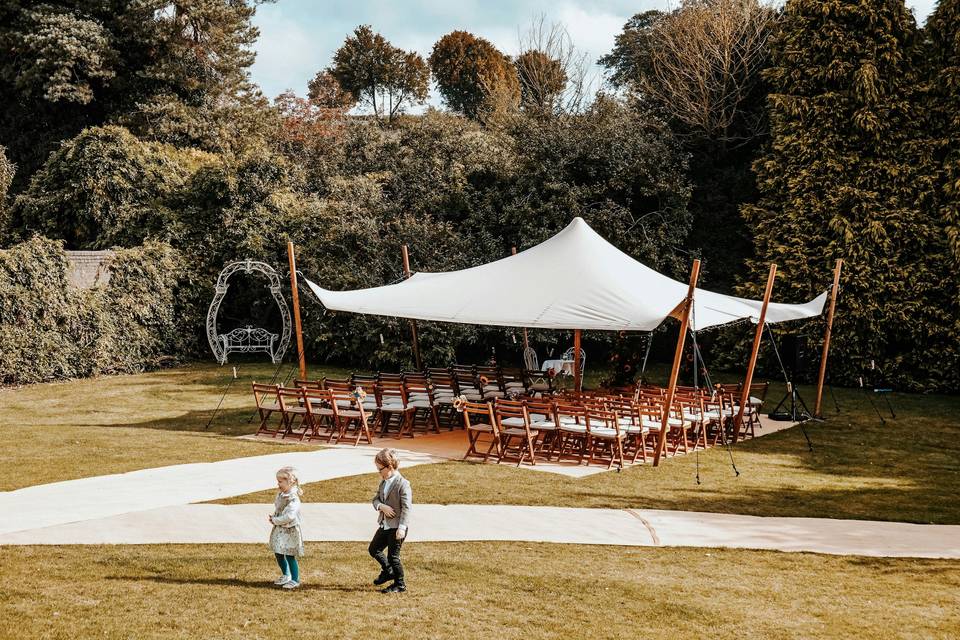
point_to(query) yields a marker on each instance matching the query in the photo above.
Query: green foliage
(386, 78)
(473, 76)
(943, 65)
(846, 175)
(172, 72)
(65, 55)
(629, 62)
(50, 331)
(103, 188)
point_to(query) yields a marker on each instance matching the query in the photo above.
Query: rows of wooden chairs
(399, 404)
(615, 426)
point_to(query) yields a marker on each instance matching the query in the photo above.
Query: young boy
(393, 502)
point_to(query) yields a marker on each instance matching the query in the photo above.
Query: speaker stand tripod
(794, 413)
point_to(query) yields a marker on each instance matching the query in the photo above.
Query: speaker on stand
(792, 406)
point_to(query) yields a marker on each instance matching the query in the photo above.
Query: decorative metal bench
(249, 340)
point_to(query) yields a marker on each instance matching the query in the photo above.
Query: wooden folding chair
(543, 418)
(420, 397)
(265, 397)
(516, 436)
(349, 415)
(292, 409)
(320, 416)
(572, 430)
(444, 393)
(751, 415)
(479, 420)
(392, 404)
(631, 424)
(604, 434)
(467, 383)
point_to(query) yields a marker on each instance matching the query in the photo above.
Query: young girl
(286, 539)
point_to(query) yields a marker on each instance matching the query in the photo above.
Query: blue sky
(299, 37)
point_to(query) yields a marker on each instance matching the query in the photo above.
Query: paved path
(246, 523)
(103, 496)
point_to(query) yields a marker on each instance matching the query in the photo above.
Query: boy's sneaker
(282, 580)
(290, 584)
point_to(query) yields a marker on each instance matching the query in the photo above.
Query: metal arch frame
(248, 266)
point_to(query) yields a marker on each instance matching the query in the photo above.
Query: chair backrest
(316, 401)
(386, 376)
(541, 407)
(335, 384)
(289, 397)
(264, 392)
(418, 389)
(475, 413)
(504, 409)
(570, 410)
(759, 390)
(530, 360)
(308, 384)
(342, 401)
(362, 379)
(599, 418)
(568, 355)
(391, 392)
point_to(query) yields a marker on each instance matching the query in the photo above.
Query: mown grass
(907, 469)
(113, 424)
(476, 590)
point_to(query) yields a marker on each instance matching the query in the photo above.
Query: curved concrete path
(98, 497)
(246, 523)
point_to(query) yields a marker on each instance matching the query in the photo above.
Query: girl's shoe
(290, 584)
(282, 580)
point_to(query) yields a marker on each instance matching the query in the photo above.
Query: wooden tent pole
(526, 341)
(577, 374)
(678, 354)
(826, 339)
(413, 323)
(757, 338)
(296, 310)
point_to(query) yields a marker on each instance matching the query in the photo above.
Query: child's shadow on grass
(249, 584)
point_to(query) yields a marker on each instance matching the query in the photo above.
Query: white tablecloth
(564, 367)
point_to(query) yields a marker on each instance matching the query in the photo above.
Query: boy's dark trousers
(387, 539)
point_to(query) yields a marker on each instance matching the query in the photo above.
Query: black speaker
(792, 348)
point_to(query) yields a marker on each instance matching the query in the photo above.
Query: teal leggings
(289, 566)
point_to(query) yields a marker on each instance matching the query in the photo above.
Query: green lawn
(473, 590)
(113, 424)
(905, 470)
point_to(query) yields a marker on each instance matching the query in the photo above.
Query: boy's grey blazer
(400, 499)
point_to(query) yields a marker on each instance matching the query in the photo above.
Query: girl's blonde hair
(387, 458)
(291, 473)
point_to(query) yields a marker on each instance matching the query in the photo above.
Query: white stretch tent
(574, 280)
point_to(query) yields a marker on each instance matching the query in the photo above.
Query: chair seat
(513, 431)
(296, 410)
(389, 408)
(483, 427)
(349, 414)
(420, 404)
(544, 425)
(605, 432)
(755, 401)
(635, 428)
(573, 428)
(512, 422)
(270, 407)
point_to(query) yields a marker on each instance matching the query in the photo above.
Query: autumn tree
(473, 76)
(379, 75)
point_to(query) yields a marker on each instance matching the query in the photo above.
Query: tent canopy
(574, 280)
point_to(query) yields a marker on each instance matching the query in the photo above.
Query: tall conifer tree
(847, 175)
